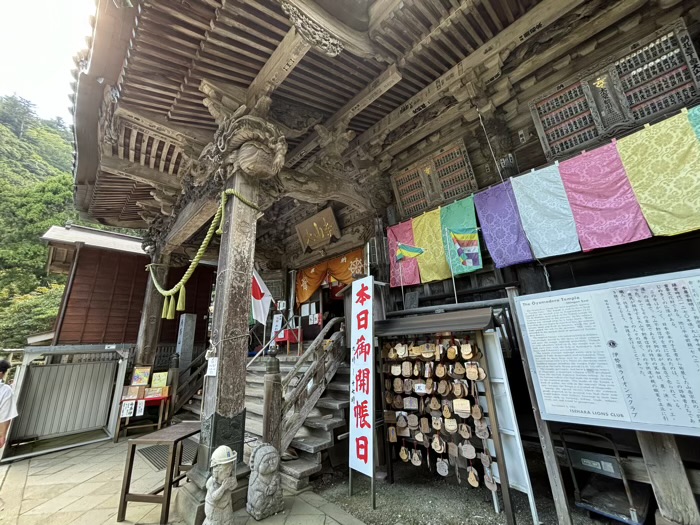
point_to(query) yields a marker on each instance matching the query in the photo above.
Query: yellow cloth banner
(663, 166)
(428, 236)
(340, 268)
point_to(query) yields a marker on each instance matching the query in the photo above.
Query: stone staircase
(319, 430)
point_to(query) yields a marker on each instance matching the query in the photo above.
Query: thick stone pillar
(244, 150)
(149, 329)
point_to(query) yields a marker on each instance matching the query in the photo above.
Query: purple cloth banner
(405, 270)
(501, 226)
(606, 211)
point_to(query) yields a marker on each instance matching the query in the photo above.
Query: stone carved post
(272, 403)
(149, 329)
(245, 149)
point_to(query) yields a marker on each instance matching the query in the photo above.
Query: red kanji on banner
(362, 380)
(361, 446)
(362, 295)
(363, 320)
(361, 411)
(362, 348)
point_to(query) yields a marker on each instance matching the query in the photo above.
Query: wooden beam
(357, 42)
(287, 55)
(364, 98)
(668, 479)
(522, 30)
(137, 172)
(380, 11)
(192, 217)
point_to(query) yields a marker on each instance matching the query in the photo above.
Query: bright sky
(38, 39)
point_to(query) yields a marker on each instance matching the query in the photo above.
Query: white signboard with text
(624, 354)
(362, 377)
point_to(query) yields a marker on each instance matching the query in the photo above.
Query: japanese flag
(261, 297)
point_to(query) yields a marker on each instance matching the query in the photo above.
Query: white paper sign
(128, 408)
(140, 407)
(281, 306)
(625, 354)
(362, 377)
(277, 320)
(212, 366)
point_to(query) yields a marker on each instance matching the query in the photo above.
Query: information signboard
(624, 354)
(362, 377)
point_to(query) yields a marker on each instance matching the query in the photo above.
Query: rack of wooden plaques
(654, 76)
(423, 360)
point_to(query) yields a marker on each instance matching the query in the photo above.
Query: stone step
(343, 370)
(253, 425)
(312, 443)
(254, 392)
(300, 468)
(252, 379)
(324, 422)
(252, 407)
(258, 369)
(195, 408)
(338, 386)
(333, 403)
(197, 397)
(293, 484)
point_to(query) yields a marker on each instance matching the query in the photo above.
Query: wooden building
(378, 110)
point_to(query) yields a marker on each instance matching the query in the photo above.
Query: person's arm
(4, 426)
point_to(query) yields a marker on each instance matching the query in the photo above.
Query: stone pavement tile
(302, 507)
(11, 491)
(109, 475)
(241, 520)
(313, 499)
(49, 519)
(112, 502)
(339, 515)
(153, 517)
(331, 521)
(308, 519)
(29, 504)
(46, 491)
(95, 517)
(52, 469)
(53, 505)
(109, 487)
(84, 489)
(85, 503)
(277, 519)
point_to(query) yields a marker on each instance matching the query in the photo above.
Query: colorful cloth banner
(694, 118)
(406, 270)
(405, 251)
(501, 226)
(663, 165)
(428, 235)
(545, 212)
(604, 206)
(340, 268)
(460, 236)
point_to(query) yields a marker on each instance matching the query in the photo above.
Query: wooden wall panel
(198, 297)
(105, 303)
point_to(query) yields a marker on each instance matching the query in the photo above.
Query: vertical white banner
(362, 377)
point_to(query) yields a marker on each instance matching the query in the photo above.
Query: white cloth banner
(362, 377)
(545, 212)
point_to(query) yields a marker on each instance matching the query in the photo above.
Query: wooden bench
(173, 438)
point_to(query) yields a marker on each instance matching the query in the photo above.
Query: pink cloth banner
(407, 272)
(606, 211)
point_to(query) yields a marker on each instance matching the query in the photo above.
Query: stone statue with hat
(218, 505)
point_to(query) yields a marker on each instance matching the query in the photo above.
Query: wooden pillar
(272, 404)
(669, 480)
(223, 408)
(149, 329)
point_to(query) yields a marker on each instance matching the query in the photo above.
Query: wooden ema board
(653, 76)
(624, 354)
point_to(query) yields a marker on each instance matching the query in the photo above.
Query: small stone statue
(265, 488)
(218, 506)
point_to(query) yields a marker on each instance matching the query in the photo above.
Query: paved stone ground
(81, 487)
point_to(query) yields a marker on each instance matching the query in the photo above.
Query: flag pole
(403, 298)
(449, 263)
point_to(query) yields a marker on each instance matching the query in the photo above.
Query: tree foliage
(36, 191)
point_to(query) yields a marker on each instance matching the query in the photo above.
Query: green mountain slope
(36, 192)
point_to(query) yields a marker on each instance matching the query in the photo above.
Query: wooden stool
(172, 437)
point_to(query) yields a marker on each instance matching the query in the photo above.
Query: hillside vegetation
(36, 189)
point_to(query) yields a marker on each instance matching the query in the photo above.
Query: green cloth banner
(460, 236)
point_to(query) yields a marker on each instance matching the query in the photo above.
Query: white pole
(449, 263)
(403, 298)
